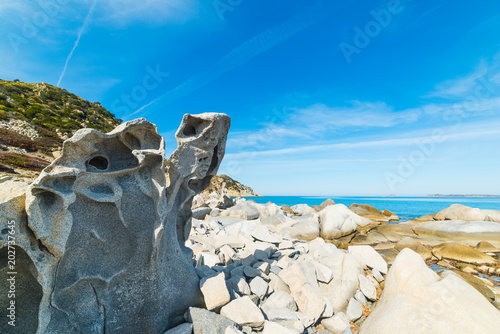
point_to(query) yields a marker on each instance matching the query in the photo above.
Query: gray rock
(417, 300)
(207, 322)
(264, 267)
(276, 219)
(242, 210)
(181, 329)
(251, 272)
(201, 213)
(337, 221)
(360, 297)
(354, 310)
(369, 257)
(367, 288)
(215, 292)
(280, 299)
(274, 328)
(259, 287)
(244, 312)
(100, 214)
(302, 209)
(239, 285)
(336, 324)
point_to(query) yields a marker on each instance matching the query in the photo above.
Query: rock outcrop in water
(100, 243)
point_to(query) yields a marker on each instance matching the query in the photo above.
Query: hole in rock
(215, 160)
(194, 126)
(99, 162)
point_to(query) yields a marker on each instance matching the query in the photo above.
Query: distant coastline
(455, 195)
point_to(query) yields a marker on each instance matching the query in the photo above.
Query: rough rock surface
(103, 239)
(416, 300)
(337, 220)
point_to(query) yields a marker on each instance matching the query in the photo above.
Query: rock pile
(21, 127)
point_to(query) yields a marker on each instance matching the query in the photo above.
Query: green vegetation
(48, 108)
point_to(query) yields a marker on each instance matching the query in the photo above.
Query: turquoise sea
(407, 208)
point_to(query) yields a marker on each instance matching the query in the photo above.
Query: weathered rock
(416, 300)
(354, 310)
(302, 209)
(274, 328)
(336, 324)
(463, 253)
(215, 292)
(368, 211)
(415, 246)
(242, 210)
(369, 257)
(186, 328)
(486, 247)
(201, 213)
(301, 278)
(100, 214)
(239, 285)
(346, 269)
(244, 312)
(337, 221)
(462, 212)
(207, 322)
(280, 299)
(367, 288)
(326, 203)
(259, 287)
(304, 230)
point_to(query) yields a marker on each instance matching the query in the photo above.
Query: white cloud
(123, 12)
(482, 81)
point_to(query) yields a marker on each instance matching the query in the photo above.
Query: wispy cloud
(124, 12)
(484, 77)
(474, 130)
(80, 33)
(319, 122)
(244, 53)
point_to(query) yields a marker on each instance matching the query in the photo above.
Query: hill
(35, 118)
(234, 188)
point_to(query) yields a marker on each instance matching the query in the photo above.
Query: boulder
(367, 288)
(301, 278)
(369, 257)
(244, 312)
(415, 246)
(354, 310)
(302, 209)
(242, 210)
(336, 324)
(280, 299)
(368, 211)
(337, 221)
(274, 328)
(215, 292)
(207, 322)
(462, 212)
(201, 213)
(107, 238)
(416, 300)
(186, 328)
(326, 203)
(304, 230)
(463, 253)
(346, 269)
(486, 247)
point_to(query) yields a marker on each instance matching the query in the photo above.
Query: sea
(407, 208)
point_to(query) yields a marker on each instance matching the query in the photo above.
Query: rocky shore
(333, 269)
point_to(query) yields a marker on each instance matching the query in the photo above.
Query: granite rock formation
(101, 238)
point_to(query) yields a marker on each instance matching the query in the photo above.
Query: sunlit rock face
(104, 237)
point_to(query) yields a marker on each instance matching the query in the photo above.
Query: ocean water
(407, 208)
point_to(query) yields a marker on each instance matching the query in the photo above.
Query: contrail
(245, 52)
(80, 33)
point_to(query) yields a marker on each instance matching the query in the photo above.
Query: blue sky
(325, 97)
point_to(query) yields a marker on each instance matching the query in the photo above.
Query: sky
(326, 98)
